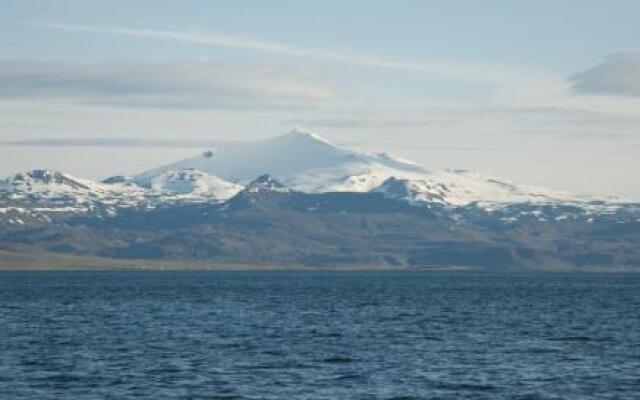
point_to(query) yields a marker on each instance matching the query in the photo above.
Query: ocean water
(318, 335)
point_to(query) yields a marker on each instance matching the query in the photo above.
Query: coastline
(49, 261)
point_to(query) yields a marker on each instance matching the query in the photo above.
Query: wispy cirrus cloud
(173, 85)
(472, 71)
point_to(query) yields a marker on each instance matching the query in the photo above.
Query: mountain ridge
(324, 206)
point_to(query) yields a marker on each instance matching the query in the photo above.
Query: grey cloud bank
(619, 74)
(177, 85)
(112, 142)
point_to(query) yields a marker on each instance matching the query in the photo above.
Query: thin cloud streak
(163, 85)
(112, 142)
(494, 73)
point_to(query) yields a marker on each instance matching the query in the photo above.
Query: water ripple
(318, 335)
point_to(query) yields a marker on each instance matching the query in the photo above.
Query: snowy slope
(39, 194)
(191, 182)
(460, 188)
(48, 182)
(301, 160)
(58, 188)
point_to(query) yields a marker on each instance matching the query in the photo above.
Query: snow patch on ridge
(193, 182)
(266, 183)
(461, 188)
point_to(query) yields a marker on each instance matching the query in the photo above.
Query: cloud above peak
(618, 75)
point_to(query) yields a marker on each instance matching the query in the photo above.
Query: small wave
(63, 378)
(533, 396)
(401, 397)
(349, 377)
(463, 386)
(543, 379)
(273, 352)
(572, 339)
(265, 366)
(538, 350)
(338, 360)
(328, 335)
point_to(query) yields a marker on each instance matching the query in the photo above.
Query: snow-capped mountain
(38, 194)
(301, 160)
(314, 203)
(308, 163)
(53, 182)
(56, 188)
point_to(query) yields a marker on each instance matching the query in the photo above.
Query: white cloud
(173, 85)
(619, 74)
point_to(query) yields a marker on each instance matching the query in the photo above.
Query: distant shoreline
(47, 261)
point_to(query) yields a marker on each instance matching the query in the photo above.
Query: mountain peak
(118, 179)
(303, 160)
(266, 183)
(39, 177)
(44, 175)
(304, 135)
(413, 191)
(193, 181)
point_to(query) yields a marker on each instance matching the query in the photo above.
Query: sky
(538, 92)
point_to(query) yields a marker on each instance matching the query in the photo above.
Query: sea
(398, 335)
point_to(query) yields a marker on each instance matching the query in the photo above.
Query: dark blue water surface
(318, 335)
